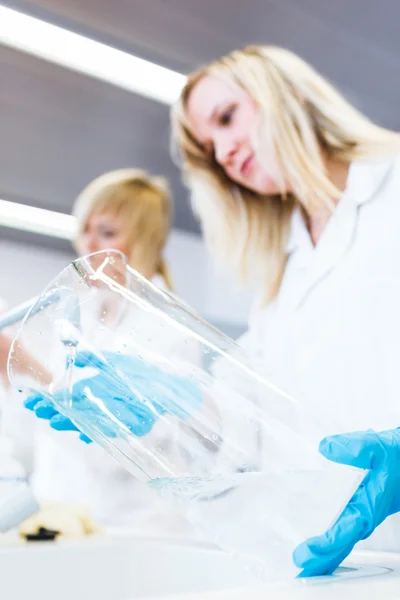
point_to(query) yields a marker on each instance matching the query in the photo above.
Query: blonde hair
(145, 205)
(302, 118)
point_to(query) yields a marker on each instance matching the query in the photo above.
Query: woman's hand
(377, 498)
(138, 392)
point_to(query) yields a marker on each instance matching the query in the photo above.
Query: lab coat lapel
(365, 180)
(331, 249)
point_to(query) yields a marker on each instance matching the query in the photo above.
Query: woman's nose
(225, 149)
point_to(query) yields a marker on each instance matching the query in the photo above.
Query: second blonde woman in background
(130, 211)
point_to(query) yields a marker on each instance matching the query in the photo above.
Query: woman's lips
(246, 165)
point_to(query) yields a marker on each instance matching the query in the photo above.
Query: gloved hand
(44, 409)
(134, 391)
(377, 497)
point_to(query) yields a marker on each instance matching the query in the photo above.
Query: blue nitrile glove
(377, 497)
(138, 393)
(44, 409)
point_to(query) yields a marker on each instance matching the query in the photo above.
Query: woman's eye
(226, 116)
(108, 234)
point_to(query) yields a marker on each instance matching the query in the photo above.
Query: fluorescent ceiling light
(81, 54)
(37, 220)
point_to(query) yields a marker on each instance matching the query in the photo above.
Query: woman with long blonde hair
(298, 191)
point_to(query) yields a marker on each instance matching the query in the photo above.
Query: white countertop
(134, 568)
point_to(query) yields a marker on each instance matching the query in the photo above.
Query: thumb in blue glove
(377, 497)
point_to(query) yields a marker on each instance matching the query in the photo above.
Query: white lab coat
(332, 336)
(64, 469)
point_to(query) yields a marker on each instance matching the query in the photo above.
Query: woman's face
(103, 231)
(223, 117)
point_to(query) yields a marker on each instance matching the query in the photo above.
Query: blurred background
(60, 128)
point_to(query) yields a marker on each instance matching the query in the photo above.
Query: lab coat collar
(365, 179)
(298, 235)
(364, 182)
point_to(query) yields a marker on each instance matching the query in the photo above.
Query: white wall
(26, 269)
(224, 300)
(187, 261)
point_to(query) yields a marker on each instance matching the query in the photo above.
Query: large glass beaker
(182, 407)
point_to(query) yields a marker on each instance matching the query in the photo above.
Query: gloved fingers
(321, 555)
(31, 401)
(85, 438)
(360, 449)
(327, 565)
(61, 423)
(44, 409)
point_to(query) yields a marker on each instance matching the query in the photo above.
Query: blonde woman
(130, 211)
(299, 192)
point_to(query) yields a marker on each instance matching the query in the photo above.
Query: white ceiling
(59, 129)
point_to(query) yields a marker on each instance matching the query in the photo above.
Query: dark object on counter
(42, 535)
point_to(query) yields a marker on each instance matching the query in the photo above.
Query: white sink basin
(105, 568)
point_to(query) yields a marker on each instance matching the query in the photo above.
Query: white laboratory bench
(134, 568)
